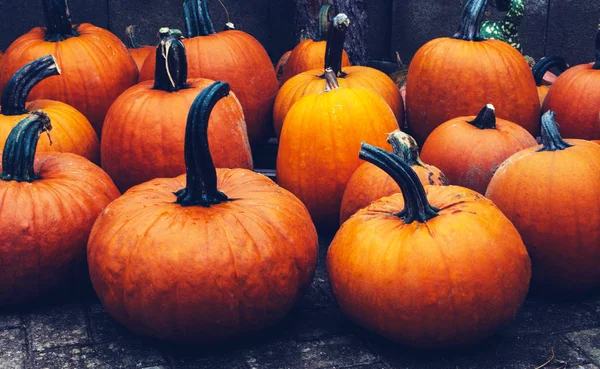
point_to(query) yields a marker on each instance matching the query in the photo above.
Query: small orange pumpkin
(369, 183)
(469, 150)
(541, 68)
(433, 267)
(551, 194)
(137, 51)
(204, 257)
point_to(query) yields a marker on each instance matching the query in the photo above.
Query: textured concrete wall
(563, 27)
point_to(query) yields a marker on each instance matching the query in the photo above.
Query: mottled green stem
(551, 138)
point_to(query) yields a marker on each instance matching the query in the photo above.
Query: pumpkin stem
(171, 61)
(23, 81)
(201, 175)
(405, 147)
(131, 37)
(331, 82)
(486, 119)
(323, 27)
(335, 43)
(597, 63)
(551, 138)
(416, 205)
(58, 21)
(197, 18)
(545, 64)
(470, 23)
(20, 146)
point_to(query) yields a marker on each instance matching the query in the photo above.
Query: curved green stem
(545, 64)
(58, 21)
(171, 62)
(323, 27)
(597, 63)
(201, 175)
(19, 150)
(335, 43)
(197, 18)
(471, 19)
(551, 138)
(405, 147)
(416, 205)
(18, 87)
(486, 119)
(131, 37)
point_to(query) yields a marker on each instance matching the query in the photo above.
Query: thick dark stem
(201, 181)
(335, 43)
(58, 21)
(331, 82)
(545, 64)
(416, 205)
(20, 146)
(597, 63)
(486, 119)
(323, 28)
(356, 38)
(131, 37)
(470, 23)
(18, 87)
(405, 147)
(551, 139)
(197, 19)
(171, 62)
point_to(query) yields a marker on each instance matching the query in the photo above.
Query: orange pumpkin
(310, 54)
(369, 183)
(469, 150)
(319, 141)
(206, 256)
(72, 132)
(596, 141)
(541, 68)
(234, 56)
(144, 130)
(575, 98)
(453, 77)
(551, 193)
(433, 267)
(95, 65)
(50, 202)
(138, 52)
(282, 63)
(313, 81)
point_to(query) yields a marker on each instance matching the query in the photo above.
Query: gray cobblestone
(57, 326)
(13, 351)
(10, 320)
(589, 342)
(69, 358)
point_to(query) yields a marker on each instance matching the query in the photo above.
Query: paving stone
(69, 358)
(106, 329)
(9, 319)
(589, 342)
(371, 366)
(320, 324)
(13, 349)
(129, 354)
(337, 352)
(57, 326)
(195, 358)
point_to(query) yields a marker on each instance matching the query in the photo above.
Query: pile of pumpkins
(145, 179)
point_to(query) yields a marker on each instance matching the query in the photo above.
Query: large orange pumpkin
(320, 138)
(433, 267)
(72, 132)
(232, 56)
(310, 54)
(541, 68)
(469, 150)
(145, 128)
(453, 77)
(575, 98)
(205, 256)
(50, 202)
(137, 51)
(551, 193)
(369, 183)
(95, 65)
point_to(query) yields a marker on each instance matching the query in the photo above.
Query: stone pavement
(78, 334)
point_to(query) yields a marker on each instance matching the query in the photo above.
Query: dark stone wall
(564, 27)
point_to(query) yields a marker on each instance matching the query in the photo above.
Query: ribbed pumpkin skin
(202, 274)
(575, 98)
(143, 136)
(369, 184)
(470, 156)
(310, 82)
(449, 282)
(71, 131)
(319, 145)
(553, 198)
(95, 69)
(240, 60)
(306, 56)
(45, 225)
(449, 78)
